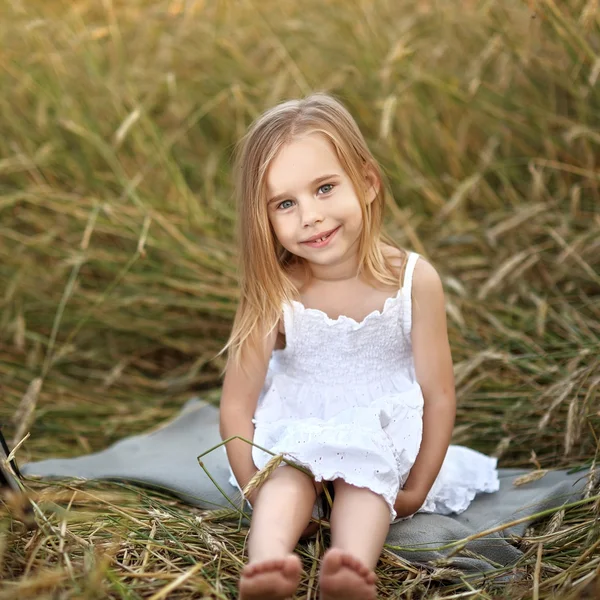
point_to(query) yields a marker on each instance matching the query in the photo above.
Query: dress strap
(408, 271)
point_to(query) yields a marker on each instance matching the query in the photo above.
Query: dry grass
(117, 250)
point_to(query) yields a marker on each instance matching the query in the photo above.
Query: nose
(311, 212)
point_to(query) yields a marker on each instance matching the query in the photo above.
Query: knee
(290, 478)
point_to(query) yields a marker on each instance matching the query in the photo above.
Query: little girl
(338, 359)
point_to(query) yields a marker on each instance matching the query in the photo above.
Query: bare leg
(280, 514)
(360, 521)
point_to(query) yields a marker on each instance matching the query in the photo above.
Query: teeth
(319, 240)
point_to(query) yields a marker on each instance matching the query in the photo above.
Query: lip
(314, 244)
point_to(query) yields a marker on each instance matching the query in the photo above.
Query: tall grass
(117, 247)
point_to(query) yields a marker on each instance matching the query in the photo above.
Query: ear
(372, 183)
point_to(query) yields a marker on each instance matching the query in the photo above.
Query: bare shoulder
(427, 289)
(425, 274)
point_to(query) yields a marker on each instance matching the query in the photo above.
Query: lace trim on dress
(404, 291)
(389, 302)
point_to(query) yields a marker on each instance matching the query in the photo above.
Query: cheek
(354, 217)
(281, 227)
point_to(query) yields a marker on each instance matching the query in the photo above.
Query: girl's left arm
(434, 372)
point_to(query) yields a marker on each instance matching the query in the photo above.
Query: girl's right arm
(241, 389)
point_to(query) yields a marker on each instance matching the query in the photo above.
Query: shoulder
(427, 290)
(425, 278)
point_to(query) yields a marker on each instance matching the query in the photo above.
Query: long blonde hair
(264, 280)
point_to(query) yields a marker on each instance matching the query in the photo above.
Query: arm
(241, 388)
(433, 366)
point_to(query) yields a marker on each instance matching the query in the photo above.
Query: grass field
(117, 250)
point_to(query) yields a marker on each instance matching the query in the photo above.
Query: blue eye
(329, 187)
(285, 204)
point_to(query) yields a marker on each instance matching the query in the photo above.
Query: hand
(408, 502)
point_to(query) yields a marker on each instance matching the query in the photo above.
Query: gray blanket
(166, 459)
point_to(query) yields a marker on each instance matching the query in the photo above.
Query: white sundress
(342, 400)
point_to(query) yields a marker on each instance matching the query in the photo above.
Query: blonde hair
(265, 284)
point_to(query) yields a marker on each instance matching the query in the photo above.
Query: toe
(291, 566)
(332, 561)
(355, 564)
(350, 561)
(274, 564)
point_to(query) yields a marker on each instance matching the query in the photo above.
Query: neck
(345, 269)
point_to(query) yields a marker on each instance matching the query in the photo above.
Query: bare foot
(274, 579)
(344, 577)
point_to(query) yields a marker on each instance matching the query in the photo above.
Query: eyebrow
(312, 183)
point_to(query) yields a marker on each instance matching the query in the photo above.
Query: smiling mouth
(321, 238)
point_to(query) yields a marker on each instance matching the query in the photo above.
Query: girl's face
(312, 204)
